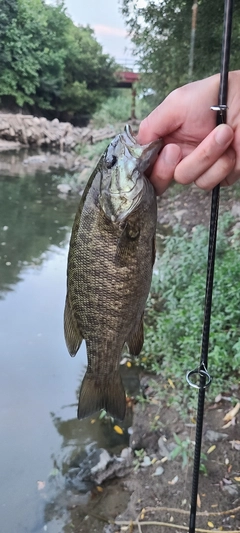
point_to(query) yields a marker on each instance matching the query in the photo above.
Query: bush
(174, 314)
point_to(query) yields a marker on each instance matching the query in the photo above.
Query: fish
(110, 262)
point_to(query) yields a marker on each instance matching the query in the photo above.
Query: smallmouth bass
(110, 261)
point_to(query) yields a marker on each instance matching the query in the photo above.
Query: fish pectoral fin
(72, 334)
(127, 243)
(136, 339)
(102, 392)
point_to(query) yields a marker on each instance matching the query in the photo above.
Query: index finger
(163, 120)
(188, 105)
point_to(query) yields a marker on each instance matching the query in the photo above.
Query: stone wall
(34, 131)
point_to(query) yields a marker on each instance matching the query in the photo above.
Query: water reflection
(32, 218)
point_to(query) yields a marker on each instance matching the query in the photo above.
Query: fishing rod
(204, 377)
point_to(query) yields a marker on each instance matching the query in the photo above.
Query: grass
(174, 314)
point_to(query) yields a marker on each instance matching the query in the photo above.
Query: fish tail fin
(102, 392)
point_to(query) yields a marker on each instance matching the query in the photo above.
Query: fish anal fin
(72, 334)
(102, 392)
(136, 339)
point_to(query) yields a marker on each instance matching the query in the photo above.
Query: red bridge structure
(127, 79)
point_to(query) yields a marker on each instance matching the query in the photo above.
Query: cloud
(100, 29)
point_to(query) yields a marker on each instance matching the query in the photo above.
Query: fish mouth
(145, 154)
(124, 185)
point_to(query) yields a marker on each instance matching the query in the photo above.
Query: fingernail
(172, 154)
(223, 135)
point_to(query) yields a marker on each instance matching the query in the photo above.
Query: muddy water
(40, 437)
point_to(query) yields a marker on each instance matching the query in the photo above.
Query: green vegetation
(161, 34)
(117, 108)
(49, 64)
(93, 151)
(174, 314)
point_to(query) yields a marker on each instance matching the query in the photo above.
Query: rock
(215, 436)
(236, 227)
(163, 449)
(9, 145)
(64, 188)
(236, 210)
(146, 461)
(159, 471)
(35, 159)
(117, 467)
(126, 455)
(55, 122)
(39, 131)
(232, 490)
(111, 528)
(179, 214)
(104, 460)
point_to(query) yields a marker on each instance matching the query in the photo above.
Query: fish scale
(110, 264)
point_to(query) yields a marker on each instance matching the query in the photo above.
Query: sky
(105, 18)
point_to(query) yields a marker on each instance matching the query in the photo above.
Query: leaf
(235, 444)
(164, 459)
(199, 501)
(228, 424)
(232, 413)
(99, 489)
(176, 451)
(128, 364)
(210, 524)
(174, 481)
(118, 430)
(218, 398)
(211, 449)
(54, 472)
(171, 383)
(123, 361)
(237, 478)
(177, 439)
(93, 420)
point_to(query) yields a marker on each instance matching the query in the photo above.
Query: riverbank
(27, 130)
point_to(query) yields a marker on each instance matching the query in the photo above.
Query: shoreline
(31, 131)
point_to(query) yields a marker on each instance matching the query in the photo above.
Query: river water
(39, 382)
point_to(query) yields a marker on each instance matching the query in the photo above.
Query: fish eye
(111, 161)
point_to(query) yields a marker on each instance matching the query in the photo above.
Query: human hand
(194, 149)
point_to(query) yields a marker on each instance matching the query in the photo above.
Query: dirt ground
(154, 496)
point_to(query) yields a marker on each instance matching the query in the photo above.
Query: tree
(48, 63)
(20, 77)
(88, 74)
(161, 34)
